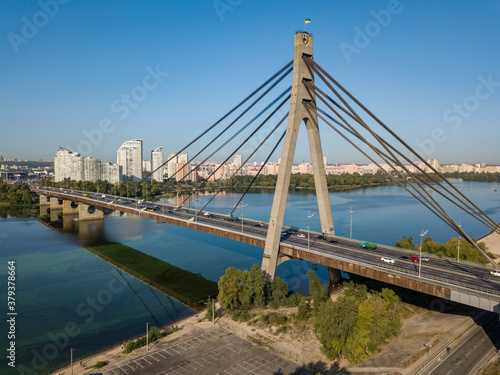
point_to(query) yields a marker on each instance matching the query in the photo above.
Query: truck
(368, 245)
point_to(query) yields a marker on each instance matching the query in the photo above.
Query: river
(68, 298)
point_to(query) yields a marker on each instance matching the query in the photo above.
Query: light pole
(72, 360)
(308, 217)
(458, 247)
(350, 211)
(147, 337)
(242, 215)
(420, 258)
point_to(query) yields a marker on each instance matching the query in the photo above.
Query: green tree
(317, 291)
(405, 243)
(231, 286)
(279, 292)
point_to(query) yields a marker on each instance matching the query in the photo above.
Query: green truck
(369, 245)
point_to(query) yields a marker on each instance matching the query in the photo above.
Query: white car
(425, 259)
(495, 273)
(301, 235)
(387, 260)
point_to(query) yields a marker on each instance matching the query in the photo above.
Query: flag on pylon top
(308, 20)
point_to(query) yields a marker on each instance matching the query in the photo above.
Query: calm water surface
(68, 298)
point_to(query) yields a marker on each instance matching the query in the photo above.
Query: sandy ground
(492, 240)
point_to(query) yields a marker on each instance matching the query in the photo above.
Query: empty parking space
(214, 351)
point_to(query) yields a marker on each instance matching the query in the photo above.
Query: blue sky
(431, 71)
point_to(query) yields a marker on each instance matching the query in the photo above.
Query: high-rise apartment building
(171, 165)
(129, 157)
(68, 164)
(238, 160)
(156, 162)
(72, 165)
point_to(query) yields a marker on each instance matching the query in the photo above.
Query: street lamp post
(72, 360)
(420, 258)
(350, 234)
(308, 235)
(458, 247)
(147, 337)
(242, 215)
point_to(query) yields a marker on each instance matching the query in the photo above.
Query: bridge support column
(56, 204)
(335, 276)
(303, 43)
(70, 207)
(44, 200)
(87, 212)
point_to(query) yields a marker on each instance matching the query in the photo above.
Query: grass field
(189, 288)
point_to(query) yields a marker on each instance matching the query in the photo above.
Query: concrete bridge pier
(44, 200)
(335, 276)
(56, 204)
(91, 212)
(70, 207)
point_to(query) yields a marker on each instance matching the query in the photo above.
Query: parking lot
(213, 351)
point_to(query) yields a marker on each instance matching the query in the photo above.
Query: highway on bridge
(449, 271)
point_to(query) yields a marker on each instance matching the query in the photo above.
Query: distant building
(68, 164)
(157, 162)
(238, 160)
(129, 157)
(171, 165)
(72, 165)
(111, 172)
(146, 165)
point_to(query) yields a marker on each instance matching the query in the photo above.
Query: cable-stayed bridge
(357, 125)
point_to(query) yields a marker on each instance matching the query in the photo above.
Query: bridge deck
(440, 277)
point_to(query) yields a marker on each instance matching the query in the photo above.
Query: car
(404, 257)
(495, 273)
(426, 259)
(258, 225)
(233, 218)
(192, 219)
(333, 241)
(368, 245)
(387, 260)
(301, 235)
(170, 212)
(320, 237)
(414, 259)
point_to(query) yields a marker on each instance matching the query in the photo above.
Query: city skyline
(437, 86)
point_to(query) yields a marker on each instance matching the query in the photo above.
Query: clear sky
(427, 68)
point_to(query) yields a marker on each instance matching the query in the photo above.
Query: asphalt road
(468, 354)
(466, 275)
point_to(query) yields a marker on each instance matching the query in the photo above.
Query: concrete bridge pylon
(303, 45)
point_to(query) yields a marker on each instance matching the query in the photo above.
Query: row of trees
(470, 176)
(306, 181)
(241, 291)
(449, 249)
(353, 326)
(16, 195)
